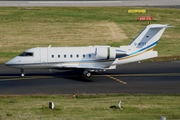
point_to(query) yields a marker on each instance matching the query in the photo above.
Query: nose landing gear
(22, 73)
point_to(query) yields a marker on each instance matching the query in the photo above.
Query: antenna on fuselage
(49, 46)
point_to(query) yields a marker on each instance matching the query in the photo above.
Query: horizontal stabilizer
(160, 26)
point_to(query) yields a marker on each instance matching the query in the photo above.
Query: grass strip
(88, 107)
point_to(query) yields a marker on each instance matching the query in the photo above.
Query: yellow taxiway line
(112, 76)
(116, 79)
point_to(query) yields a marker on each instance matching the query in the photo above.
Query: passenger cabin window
(26, 54)
(71, 56)
(84, 56)
(64, 56)
(89, 55)
(77, 56)
(58, 56)
(52, 56)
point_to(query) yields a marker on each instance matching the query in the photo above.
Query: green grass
(88, 107)
(23, 28)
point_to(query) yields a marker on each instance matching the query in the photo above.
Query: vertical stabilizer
(149, 37)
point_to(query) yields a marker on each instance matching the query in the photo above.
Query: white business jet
(92, 58)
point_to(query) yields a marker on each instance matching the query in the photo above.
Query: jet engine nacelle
(105, 53)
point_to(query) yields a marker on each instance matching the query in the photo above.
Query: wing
(95, 65)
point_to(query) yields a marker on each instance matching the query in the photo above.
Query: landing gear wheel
(87, 73)
(22, 73)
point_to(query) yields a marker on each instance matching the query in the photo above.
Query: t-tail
(141, 47)
(149, 37)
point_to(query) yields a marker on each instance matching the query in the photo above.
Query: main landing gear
(87, 73)
(22, 73)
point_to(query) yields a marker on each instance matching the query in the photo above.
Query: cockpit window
(26, 54)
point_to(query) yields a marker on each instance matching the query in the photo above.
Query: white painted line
(73, 2)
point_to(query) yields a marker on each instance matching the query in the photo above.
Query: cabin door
(44, 55)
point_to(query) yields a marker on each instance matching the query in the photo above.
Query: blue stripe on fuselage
(143, 49)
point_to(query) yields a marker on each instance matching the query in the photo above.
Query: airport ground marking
(14, 78)
(116, 79)
(6, 78)
(146, 75)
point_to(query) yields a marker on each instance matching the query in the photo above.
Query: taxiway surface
(155, 78)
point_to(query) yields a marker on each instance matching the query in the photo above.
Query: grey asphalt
(143, 78)
(155, 78)
(159, 3)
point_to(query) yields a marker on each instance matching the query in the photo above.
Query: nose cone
(9, 63)
(13, 62)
